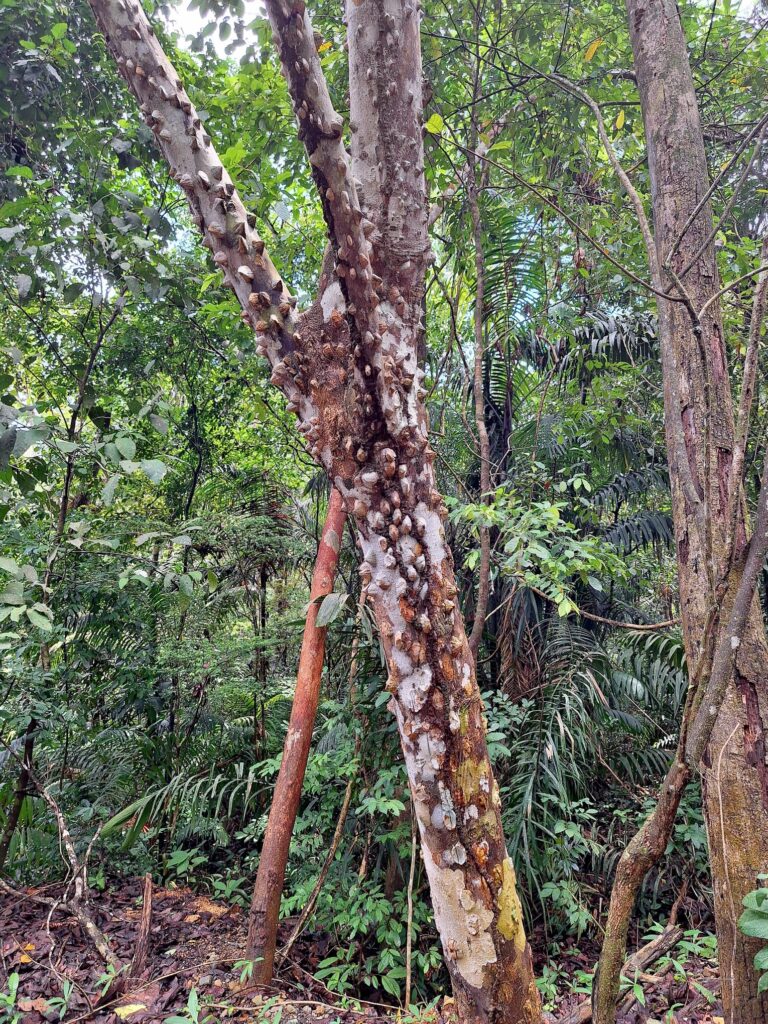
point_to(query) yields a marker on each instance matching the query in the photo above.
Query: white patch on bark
(414, 688)
(462, 922)
(332, 298)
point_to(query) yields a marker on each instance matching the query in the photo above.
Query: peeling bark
(349, 369)
(265, 906)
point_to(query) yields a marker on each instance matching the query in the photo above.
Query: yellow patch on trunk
(468, 778)
(510, 923)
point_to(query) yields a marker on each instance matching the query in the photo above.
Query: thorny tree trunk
(265, 906)
(700, 441)
(348, 367)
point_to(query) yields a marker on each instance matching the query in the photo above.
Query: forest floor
(195, 944)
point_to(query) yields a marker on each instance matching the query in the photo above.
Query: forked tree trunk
(700, 442)
(265, 906)
(348, 367)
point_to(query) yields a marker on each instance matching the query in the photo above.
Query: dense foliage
(159, 514)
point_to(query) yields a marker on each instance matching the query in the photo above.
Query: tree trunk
(641, 854)
(484, 582)
(348, 367)
(700, 440)
(265, 906)
(22, 791)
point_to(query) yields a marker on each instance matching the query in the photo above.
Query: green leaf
(65, 446)
(59, 30)
(39, 620)
(154, 469)
(108, 494)
(160, 424)
(435, 124)
(19, 171)
(126, 446)
(754, 923)
(26, 439)
(10, 565)
(330, 609)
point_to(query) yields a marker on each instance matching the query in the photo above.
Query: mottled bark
(699, 412)
(349, 369)
(268, 890)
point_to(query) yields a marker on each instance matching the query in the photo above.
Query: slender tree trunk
(265, 906)
(22, 791)
(700, 442)
(348, 367)
(641, 854)
(484, 581)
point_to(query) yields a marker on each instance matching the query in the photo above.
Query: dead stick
(142, 941)
(298, 928)
(409, 929)
(639, 961)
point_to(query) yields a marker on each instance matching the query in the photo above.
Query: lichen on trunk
(349, 369)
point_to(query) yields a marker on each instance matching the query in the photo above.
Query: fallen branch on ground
(640, 960)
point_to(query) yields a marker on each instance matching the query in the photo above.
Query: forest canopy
(383, 511)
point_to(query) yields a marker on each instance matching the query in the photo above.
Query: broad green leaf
(435, 124)
(19, 171)
(126, 446)
(39, 620)
(754, 923)
(154, 469)
(65, 446)
(330, 608)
